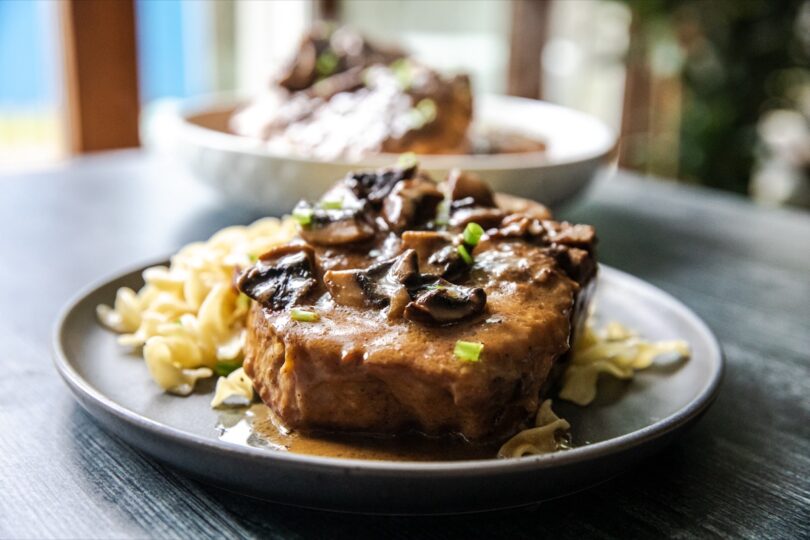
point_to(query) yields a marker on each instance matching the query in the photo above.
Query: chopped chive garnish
(365, 75)
(243, 301)
(427, 108)
(472, 234)
(442, 213)
(253, 257)
(303, 216)
(224, 369)
(326, 63)
(465, 254)
(468, 351)
(401, 68)
(304, 315)
(415, 119)
(333, 204)
(407, 160)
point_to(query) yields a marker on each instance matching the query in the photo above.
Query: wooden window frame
(101, 74)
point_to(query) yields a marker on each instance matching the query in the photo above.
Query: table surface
(744, 471)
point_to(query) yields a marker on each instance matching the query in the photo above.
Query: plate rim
(82, 389)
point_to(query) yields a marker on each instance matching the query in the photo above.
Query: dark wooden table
(744, 471)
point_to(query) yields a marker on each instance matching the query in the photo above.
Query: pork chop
(356, 326)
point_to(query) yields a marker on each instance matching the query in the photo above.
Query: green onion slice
(332, 204)
(442, 213)
(223, 369)
(403, 72)
(472, 234)
(465, 254)
(303, 315)
(468, 351)
(407, 160)
(427, 108)
(326, 63)
(303, 216)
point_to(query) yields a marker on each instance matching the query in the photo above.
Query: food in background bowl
(342, 97)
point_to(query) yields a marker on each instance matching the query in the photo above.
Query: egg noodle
(549, 434)
(189, 323)
(614, 350)
(188, 319)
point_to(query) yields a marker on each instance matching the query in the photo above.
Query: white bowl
(578, 148)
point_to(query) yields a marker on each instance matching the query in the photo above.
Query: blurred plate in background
(579, 147)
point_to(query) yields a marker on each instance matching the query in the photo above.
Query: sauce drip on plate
(255, 427)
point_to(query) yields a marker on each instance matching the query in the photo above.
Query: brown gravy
(256, 427)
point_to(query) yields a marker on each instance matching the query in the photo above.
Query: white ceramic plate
(629, 420)
(578, 148)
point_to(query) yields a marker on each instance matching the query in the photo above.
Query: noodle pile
(547, 436)
(615, 350)
(188, 318)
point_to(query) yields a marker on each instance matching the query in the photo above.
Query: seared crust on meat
(350, 372)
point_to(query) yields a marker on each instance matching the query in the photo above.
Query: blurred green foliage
(740, 58)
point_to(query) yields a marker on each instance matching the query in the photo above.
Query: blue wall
(29, 63)
(173, 45)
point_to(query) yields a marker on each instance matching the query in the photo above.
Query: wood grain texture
(744, 471)
(530, 20)
(101, 73)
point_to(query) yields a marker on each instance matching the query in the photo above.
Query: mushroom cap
(281, 277)
(446, 303)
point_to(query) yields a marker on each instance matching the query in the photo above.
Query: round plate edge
(83, 390)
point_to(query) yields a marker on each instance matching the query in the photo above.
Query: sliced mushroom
(345, 287)
(576, 263)
(425, 243)
(399, 300)
(466, 189)
(346, 81)
(518, 205)
(571, 246)
(300, 73)
(332, 227)
(411, 203)
(375, 186)
(281, 277)
(449, 263)
(445, 303)
(570, 235)
(546, 232)
(436, 252)
(405, 268)
(398, 285)
(519, 226)
(376, 285)
(486, 217)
